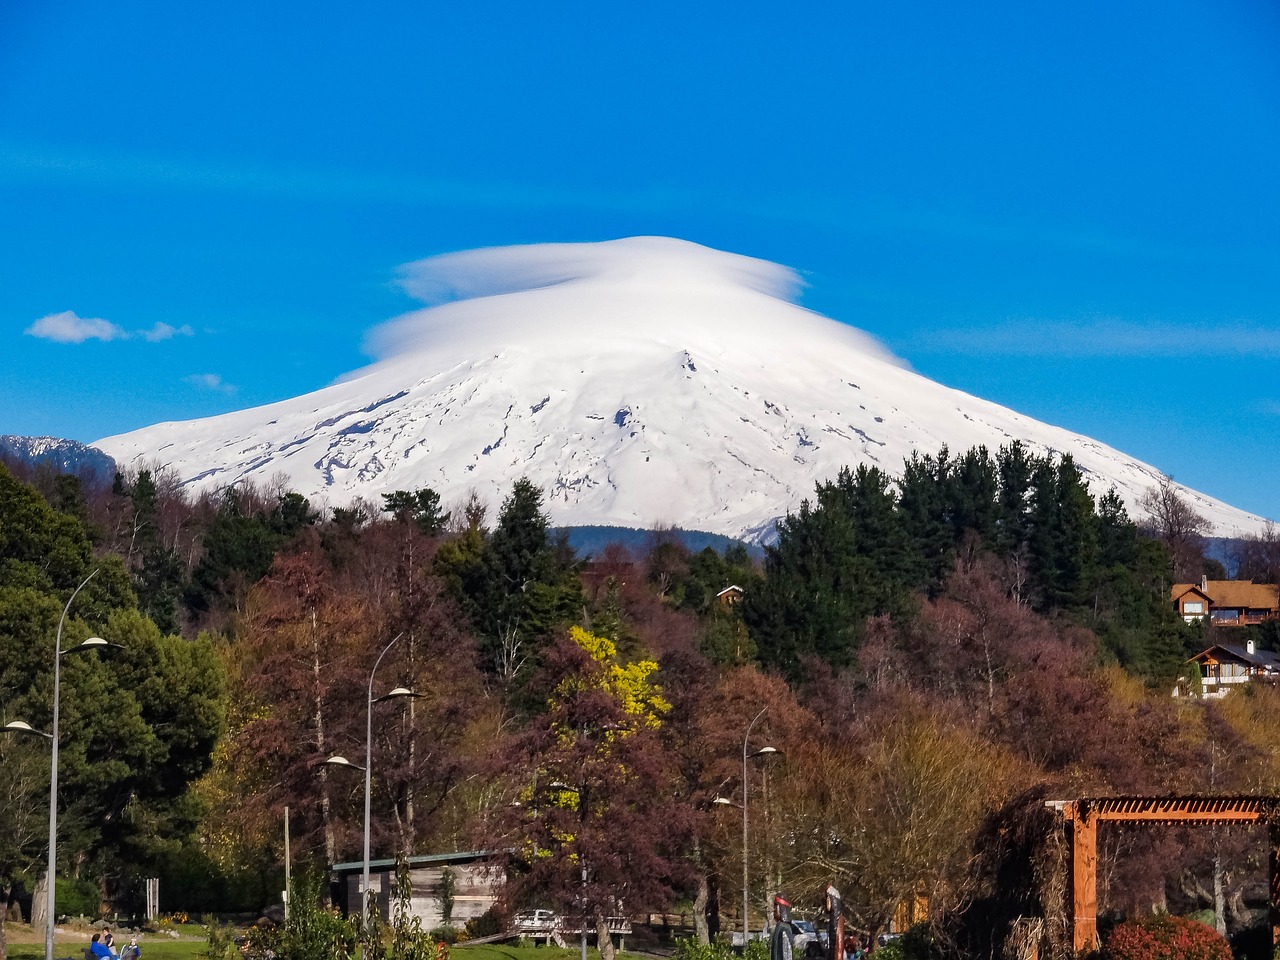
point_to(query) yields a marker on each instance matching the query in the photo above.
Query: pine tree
(421, 507)
(923, 511)
(522, 583)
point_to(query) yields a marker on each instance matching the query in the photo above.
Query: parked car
(808, 941)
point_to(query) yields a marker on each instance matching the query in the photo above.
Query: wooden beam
(1084, 879)
(1180, 816)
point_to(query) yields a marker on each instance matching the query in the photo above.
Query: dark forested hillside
(921, 648)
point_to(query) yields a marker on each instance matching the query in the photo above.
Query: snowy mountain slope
(65, 456)
(638, 382)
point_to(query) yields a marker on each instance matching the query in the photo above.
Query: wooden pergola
(1083, 816)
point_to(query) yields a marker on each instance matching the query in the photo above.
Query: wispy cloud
(67, 327)
(209, 381)
(1102, 338)
(852, 214)
(165, 331)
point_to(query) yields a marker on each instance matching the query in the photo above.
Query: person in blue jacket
(100, 949)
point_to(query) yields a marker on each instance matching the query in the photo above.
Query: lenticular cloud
(655, 287)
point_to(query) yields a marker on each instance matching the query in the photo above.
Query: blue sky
(1071, 210)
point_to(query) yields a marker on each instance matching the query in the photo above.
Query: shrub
(310, 933)
(1163, 937)
(688, 948)
(76, 898)
(485, 925)
(219, 940)
(916, 944)
(445, 934)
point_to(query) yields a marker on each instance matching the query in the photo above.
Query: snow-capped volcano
(639, 382)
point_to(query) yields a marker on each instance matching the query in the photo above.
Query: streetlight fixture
(762, 752)
(20, 726)
(340, 761)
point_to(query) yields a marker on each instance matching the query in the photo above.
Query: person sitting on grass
(99, 949)
(132, 951)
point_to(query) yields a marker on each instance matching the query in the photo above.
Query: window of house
(1193, 606)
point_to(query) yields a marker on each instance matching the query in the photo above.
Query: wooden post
(1084, 878)
(1273, 878)
(287, 865)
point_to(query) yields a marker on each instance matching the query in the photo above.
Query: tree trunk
(699, 911)
(1219, 896)
(4, 912)
(39, 900)
(330, 844)
(603, 938)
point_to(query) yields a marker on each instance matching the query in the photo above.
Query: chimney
(1248, 646)
(1204, 583)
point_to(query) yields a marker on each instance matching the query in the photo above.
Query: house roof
(1234, 593)
(1259, 658)
(426, 860)
(730, 589)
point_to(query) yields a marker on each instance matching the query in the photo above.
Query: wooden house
(1223, 666)
(729, 595)
(1227, 603)
(476, 879)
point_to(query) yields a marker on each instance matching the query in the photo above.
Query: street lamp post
(19, 726)
(338, 761)
(763, 751)
(582, 816)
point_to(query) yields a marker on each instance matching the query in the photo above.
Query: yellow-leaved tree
(598, 831)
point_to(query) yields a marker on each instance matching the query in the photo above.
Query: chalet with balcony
(1227, 603)
(1224, 666)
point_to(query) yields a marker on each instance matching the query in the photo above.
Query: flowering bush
(1162, 937)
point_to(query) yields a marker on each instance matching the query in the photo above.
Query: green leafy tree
(601, 831)
(137, 725)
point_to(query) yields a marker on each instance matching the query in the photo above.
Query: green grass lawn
(502, 951)
(153, 948)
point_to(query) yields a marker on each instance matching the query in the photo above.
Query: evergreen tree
(974, 490)
(923, 511)
(520, 584)
(238, 550)
(1016, 468)
(835, 564)
(158, 577)
(421, 507)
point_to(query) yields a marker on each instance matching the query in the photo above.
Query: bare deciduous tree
(1172, 520)
(1258, 556)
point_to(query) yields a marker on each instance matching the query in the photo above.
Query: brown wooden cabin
(1227, 603)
